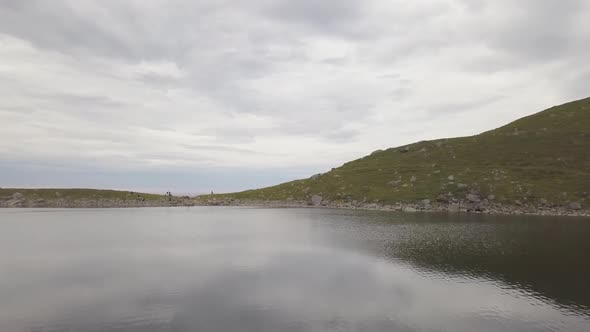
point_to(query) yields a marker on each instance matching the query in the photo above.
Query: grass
(545, 156)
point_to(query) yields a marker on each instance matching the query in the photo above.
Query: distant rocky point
(85, 198)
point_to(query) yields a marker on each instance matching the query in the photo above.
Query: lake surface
(247, 269)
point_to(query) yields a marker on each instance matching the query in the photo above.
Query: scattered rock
(315, 176)
(442, 199)
(451, 178)
(472, 198)
(394, 182)
(479, 207)
(491, 197)
(518, 202)
(408, 208)
(413, 179)
(454, 208)
(315, 200)
(425, 204)
(437, 171)
(461, 185)
(575, 206)
(17, 196)
(405, 149)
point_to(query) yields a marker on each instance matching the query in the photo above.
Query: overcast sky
(193, 96)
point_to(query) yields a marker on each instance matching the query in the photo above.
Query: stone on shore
(472, 198)
(408, 208)
(315, 200)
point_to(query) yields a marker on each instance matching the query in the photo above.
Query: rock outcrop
(315, 200)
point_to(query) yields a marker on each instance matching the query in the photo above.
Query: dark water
(238, 269)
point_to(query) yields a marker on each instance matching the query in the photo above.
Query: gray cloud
(336, 17)
(273, 84)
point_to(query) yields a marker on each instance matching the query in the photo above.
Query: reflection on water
(237, 269)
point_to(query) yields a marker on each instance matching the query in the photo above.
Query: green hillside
(543, 158)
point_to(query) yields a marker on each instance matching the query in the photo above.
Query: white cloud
(273, 85)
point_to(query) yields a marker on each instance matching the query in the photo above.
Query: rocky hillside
(84, 198)
(539, 160)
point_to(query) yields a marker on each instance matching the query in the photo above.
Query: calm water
(239, 269)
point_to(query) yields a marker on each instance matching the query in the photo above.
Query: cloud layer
(203, 88)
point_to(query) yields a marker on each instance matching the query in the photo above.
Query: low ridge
(84, 198)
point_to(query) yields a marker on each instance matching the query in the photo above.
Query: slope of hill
(542, 159)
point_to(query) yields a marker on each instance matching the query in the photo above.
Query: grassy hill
(539, 159)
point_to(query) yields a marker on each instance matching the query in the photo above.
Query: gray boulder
(413, 179)
(472, 198)
(408, 208)
(17, 196)
(425, 204)
(454, 208)
(315, 200)
(451, 178)
(442, 198)
(575, 206)
(475, 207)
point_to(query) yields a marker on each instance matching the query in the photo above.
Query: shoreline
(485, 207)
(492, 209)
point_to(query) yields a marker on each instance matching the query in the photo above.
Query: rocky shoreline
(472, 205)
(482, 207)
